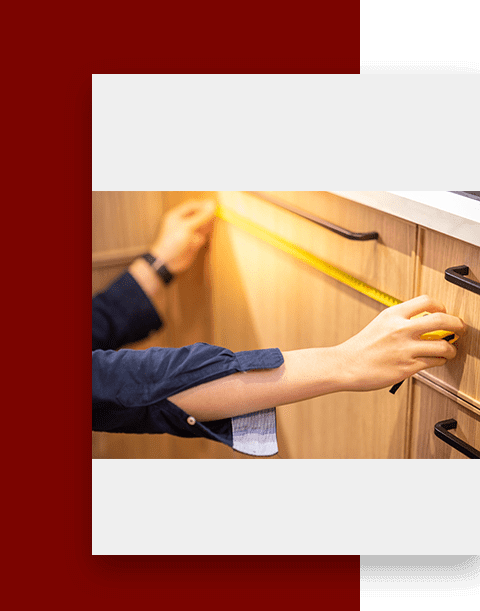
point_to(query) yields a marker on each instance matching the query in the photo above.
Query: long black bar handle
(441, 431)
(456, 276)
(350, 235)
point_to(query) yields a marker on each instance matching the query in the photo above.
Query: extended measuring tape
(228, 215)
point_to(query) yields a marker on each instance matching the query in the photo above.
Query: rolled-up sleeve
(131, 388)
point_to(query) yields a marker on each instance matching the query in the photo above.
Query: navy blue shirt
(131, 388)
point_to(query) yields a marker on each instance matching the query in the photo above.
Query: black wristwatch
(162, 271)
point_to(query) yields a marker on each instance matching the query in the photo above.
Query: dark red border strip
(49, 187)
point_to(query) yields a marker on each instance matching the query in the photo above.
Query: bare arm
(386, 351)
(304, 374)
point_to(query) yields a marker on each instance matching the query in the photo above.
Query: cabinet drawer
(386, 264)
(429, 407)
(437, 253)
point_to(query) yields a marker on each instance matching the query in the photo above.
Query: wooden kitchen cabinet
(245, 294)
(264, 298)
(429, 406)
(437, 252)
(387, 263)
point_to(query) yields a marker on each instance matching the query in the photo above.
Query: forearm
(303, 375)
(150, 283)
(385, 352)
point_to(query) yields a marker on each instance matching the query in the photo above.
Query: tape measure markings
(228, 215)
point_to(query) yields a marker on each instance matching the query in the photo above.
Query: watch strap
(162, 271)
(150, 259)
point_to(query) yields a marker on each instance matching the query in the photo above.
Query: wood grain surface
(437, 252)
(430, 407)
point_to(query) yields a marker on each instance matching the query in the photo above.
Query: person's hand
(184, 231)
(389, 349)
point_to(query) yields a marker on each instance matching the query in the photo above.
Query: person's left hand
(184, 231)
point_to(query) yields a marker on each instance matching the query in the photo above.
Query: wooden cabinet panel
(122, 220)
(264, 298)
(387, 263)
(429, 406)
(437, 253)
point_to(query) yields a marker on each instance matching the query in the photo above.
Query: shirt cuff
(269, 358)
(256, 433)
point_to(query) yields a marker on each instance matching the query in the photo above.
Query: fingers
(187, 208)
(197, 214)
(437, 321)
(427, 362)
(435, 349)
(414, 306)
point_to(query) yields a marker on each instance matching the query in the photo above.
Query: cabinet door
(437, 253)
(263, 298)
(429, 406)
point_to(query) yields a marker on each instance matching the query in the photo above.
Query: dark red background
(47, 238)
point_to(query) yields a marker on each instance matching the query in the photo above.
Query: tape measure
(433, 335)
(229, 216)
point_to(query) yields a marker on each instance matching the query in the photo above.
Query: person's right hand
(389, 349)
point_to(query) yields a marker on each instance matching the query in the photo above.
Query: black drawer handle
(456, 276)
(441, 431)
(350, 235)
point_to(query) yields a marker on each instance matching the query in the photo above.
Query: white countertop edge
(448, 213)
